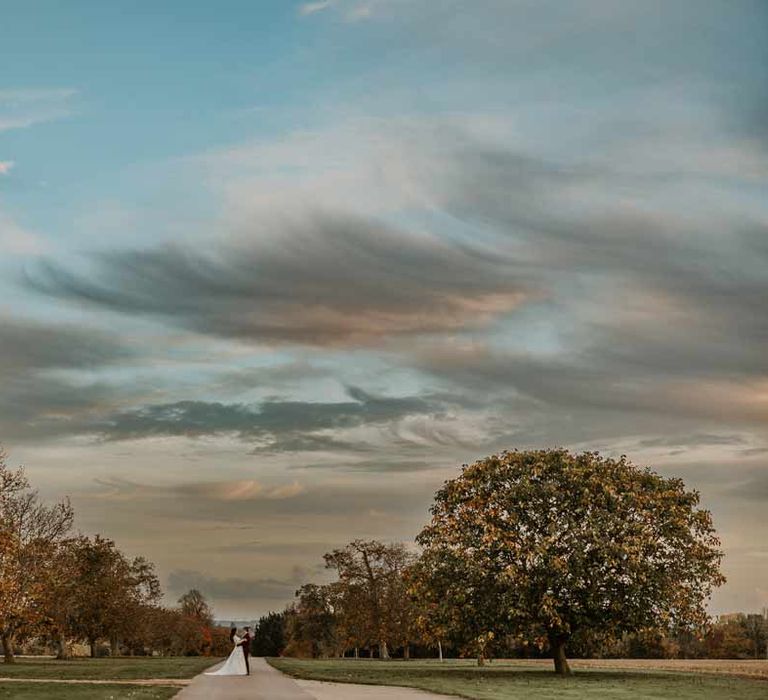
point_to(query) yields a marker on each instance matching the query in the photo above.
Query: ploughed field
(623, 679)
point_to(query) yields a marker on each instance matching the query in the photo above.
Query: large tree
(546, 543)
(111, 589)
(61, 596)
(30, 535)
(269, 635)
(356, 628)
(374, 571)
(313, 621)
(194, 604)
(194, 607)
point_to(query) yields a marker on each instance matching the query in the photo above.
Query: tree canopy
(31, 533)
(193, 604)
(546, 543)
(111, 588)
(57, 588)
(372, 591)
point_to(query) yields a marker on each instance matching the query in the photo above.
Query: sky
(272, 271)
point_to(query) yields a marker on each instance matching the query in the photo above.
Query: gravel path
(264, 683)
(267, 683)
(321, 690)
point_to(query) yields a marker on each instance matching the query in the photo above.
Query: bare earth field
(615, 679)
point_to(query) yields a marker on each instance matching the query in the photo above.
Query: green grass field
(514, 680)
(48, 691)
(117, 669)
(120, 668)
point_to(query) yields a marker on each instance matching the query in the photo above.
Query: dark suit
(246, 645)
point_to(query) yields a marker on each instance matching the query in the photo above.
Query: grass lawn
(119, 668)
(46, 691)
(510, 681)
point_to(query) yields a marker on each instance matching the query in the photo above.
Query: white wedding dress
(235, 663)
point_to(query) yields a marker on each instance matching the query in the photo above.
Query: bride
(235, 663)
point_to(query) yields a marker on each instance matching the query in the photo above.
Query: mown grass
(59, 691)
(118, 668)
(512, 681)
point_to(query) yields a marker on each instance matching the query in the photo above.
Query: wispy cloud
(310, 8)
(14, 238)
(20, 96)
(530, 232)
(274, 425)
(119, 489)
(328, 279)
(352, 10)
(235, 587)
(24, 107)
(6, 166)
(35, 345)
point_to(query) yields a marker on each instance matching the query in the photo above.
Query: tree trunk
(7, 640)
(92, 644)
(357, 652)
(440, 649)
(481, 659)
(383, 651)
(114, 646)
(557, 643)
(62, 649)
(407, 651)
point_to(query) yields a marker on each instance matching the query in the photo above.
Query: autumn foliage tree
(371, 575)
(355, 623)
(194, 608)
(61, 596)
(193, 604)
(313, 622)
(546, 543)
(30, 534)
(56, 588)
(111, 587)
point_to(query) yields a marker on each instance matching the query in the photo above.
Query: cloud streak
(246, 490)
(530, 232)
(274, 425)
(233, 588)
(32, 345)
(22, 108)
(17, 240)
(325, 280)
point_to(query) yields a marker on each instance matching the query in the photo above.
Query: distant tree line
(526, 553)
(58, 588)
(339, 619)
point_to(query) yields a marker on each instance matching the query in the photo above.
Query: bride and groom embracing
(237, 662)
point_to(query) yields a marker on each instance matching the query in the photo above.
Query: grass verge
(512, 681)
(47, 691)
(118, 668)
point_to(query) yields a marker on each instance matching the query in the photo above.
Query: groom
(245, 643)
